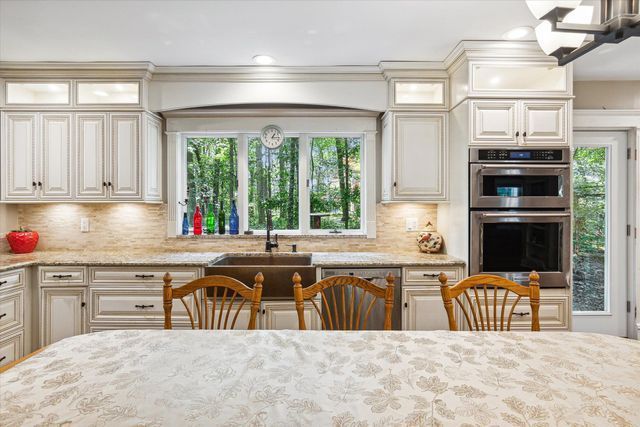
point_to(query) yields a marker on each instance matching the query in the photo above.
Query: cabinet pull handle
(109, 184)
(144, 276)
(264, 311)
(522, 313)
(39, 184)
(406, 305)
(524, 134)
(104, 184)
(143, 306)
(2, 358)
(83, 304)
(517, 134)
(430, 275)
(62, 276)
(34, 184)
(395, 184)
(2, 315)
(3, 282)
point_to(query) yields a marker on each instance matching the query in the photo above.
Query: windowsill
(288, 236)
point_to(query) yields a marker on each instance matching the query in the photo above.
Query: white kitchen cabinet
(283, 315)
(62, 313)
(125, 156)
(11, 347)
(153, 159)
(423, 310)
(91, 156)
(55, 150)
(18, 156)
(519, 122)
(415, 156)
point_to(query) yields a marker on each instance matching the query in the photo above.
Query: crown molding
(413, 69)
(496, 50)
(266, 74)
(137, 70)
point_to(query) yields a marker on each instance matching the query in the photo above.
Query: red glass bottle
(197, 221)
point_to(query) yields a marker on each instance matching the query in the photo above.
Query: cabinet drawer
(62, 275)
(553, 312)
(11, 311)
(429, 275)
(134, 305)
(106, 275)
(11, 348)
(10, 280)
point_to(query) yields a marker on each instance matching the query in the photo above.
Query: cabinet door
(55, 148)
(544, 122)
(493, 122)
(91, 156)
(153, 160)
(18, 156)
(125, 156)
(62, 313)
(420, 156)
(283, 315)
(423, 309)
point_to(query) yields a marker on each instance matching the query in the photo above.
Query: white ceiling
(295, 32)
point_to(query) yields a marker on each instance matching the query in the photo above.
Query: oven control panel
(521, 155)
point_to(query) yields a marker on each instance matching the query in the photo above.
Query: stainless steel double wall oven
(520, 218)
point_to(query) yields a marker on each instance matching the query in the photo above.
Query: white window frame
(367, 180)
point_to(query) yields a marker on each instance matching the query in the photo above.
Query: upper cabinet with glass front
(518, 78)
(107, 93)
(418, 94)
(23, 93)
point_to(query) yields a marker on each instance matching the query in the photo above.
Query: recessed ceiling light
(263, 59)
(517, 33)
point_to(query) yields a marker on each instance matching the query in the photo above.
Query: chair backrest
(337, 315)
(234, 296)
(483, 295)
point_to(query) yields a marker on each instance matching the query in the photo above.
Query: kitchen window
(311, 184)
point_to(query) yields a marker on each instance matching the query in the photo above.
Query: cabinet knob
(517, 134)
(34, 184)
(406, 305)
(109, 184)
(83, 304)
(524, 134)
(39, 184)
(104, 184)
(395, 184)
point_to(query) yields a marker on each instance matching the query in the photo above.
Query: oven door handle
(530, 214)
(524, 166)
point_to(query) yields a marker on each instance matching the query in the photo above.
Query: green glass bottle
(210, 220)
(221, 225)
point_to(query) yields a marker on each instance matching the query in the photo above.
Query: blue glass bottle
(234, 219)
(185, 225)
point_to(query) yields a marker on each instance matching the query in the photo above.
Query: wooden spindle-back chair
(485, 289)
(234, 295)
(337, 316)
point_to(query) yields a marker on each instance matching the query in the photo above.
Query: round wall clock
(272, 136)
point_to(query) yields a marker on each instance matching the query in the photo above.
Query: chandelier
(565, 25)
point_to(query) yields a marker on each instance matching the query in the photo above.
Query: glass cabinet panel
(525, 77)
(417, 92)
(108, 93)
(37, 93)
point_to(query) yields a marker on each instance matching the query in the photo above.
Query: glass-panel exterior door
(599, 232)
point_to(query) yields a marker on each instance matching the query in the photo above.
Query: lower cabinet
(423, 310)
(62, 313)
(11, 347)
(14, 313)
(283, 315)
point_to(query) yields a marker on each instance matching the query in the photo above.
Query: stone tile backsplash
(130, 226)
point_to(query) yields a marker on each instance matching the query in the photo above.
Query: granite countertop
(201, 259)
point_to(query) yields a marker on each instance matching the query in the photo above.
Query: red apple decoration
(22, 241)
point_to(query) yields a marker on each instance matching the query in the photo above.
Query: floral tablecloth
(275, 378)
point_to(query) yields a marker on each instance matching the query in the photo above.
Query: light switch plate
(84, 225)
(411, 224)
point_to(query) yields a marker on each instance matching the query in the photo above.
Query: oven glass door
(520, 186)
(512, 244)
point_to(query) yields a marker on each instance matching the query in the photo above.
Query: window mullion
(303, 189)
(243, 181)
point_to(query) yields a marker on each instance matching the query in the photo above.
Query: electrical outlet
(411, 224)
(84, 225)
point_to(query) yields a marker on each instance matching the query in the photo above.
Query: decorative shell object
(429, 240)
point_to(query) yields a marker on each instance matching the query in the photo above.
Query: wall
(142, 227)
(8, 222)
(610, 95)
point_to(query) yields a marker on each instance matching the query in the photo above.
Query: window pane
(211, 174)
(589, 228)
(273, 184)
(334, 173)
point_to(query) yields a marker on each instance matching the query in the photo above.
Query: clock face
(272, 136)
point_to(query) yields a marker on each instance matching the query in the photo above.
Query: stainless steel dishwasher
(376, 276)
